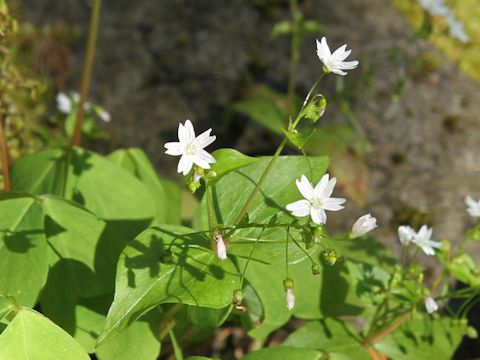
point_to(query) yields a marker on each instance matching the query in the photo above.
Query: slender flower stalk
(87, 71)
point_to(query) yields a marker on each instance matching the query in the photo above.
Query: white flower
(221, 248)
(406, 234)
(190, 148)
(423, 239)
(335, 62)
(473, 207)
(430, 305)
(363, 225)
(317, 199)
(64, 103)
(290, 298)
(457, 30)
(104, 115)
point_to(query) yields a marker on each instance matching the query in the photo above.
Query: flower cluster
(67, 104)
(422, 238)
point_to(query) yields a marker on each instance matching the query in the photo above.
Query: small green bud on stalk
(330, 257)
(315, 269)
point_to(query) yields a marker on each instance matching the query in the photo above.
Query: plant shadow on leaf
(115, 236)
(333, 297)
(19, 241)
(59, 297)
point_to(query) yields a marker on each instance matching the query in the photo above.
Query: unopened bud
(290, 295)
(472, 332)
(317, 233)
(315, 269)
(221, 248)
(330, 257)
(237, 300)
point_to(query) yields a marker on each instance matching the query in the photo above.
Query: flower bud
(330, 257)
(363, 225)
(430, 305)
(317, 233)
(472, 332)
(221, 248)
(315, 269)
(237, 300)
(290, 295)
(314, 110)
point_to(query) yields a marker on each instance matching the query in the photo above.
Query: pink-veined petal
(173, 148)
(305, 187)
(299, 208)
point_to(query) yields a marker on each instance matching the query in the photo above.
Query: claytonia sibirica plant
(191, 148)
(251, 251)
(335, 62)
(316, 199)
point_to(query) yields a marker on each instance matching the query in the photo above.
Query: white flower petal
(321, 186)
(203, 159)
(204, 139)
(405, 234)
(363, 225)
(305, 187)
(173, 148)
(333, 204)
(189, 133)
(349, 65)
(290, 297)
(185, 164)
(318, 216)
(299, 208)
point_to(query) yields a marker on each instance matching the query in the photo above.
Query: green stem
(286, 252)
(167, 323)
(211, 221)
(242, 276)
(267, 170)
(4, 156)
(87, 71)
(255, 191)
(294, 58)
(303, 250)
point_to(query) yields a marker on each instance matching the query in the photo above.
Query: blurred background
(402, 129)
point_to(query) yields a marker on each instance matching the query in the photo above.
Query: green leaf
(229, 196)
(264, 106)
(166, 193)
(23, 248)
(328, 335)
(73, 234)
(423, 339)
(193, 276)
(284, 353)
(136, 342)
(86, 178)
(206, 317)
(265, 299)
(31, 336)
(464, 268)
(227, 161)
